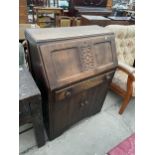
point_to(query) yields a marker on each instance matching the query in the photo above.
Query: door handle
(108, 77)
(68, 94)
(82, 104)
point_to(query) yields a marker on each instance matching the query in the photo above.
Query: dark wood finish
(38, 2)
(98, 11)
(23, 15)
(90, 7)
(30, 109)
(121, 20)
(93, 3)
(73, 68)
(102, 21)
(95, 20)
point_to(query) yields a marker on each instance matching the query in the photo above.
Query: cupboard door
(79, 105)
(65, 113)
(96, 96)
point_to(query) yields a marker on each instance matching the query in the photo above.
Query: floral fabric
(125, 42)
(125, 49)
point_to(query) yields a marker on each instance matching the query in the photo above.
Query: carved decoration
(86, 57)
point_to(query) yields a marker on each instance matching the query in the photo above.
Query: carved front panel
(71, 60)
(87, 58)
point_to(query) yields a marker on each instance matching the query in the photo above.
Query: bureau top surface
(27, 86)
(63, 33)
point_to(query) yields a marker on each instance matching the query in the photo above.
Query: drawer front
(82, 86)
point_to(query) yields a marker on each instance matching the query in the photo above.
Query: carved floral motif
(87, 58)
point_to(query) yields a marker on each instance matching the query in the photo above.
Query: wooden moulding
(73, 67)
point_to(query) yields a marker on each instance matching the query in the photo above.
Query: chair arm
(127, 69)
(131, 76)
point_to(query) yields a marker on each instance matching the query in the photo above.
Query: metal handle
(108, 77)
(84, 103)
(68, 94)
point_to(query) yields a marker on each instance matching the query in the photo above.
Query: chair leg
(128, 95)
(125, 103)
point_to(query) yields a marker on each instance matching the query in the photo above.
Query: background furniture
(76, 21)
(90, 7)
(104, 21)
(38, 2)
(22, 28)
(100, 11)
(23, 15)
(76, 68)
(123, 80)
(63, 21)
(95, 20)
(43, 15)
(121, 20)
(30, 109)
(93, 3)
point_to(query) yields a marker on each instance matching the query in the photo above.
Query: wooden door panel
(68, 61)
(79, 105)
(66, 112)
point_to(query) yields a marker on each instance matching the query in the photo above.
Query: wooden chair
(123, 82)
(45, 21)
(63, 21)
(76, 21)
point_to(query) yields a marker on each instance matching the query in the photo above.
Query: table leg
(37, 120)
